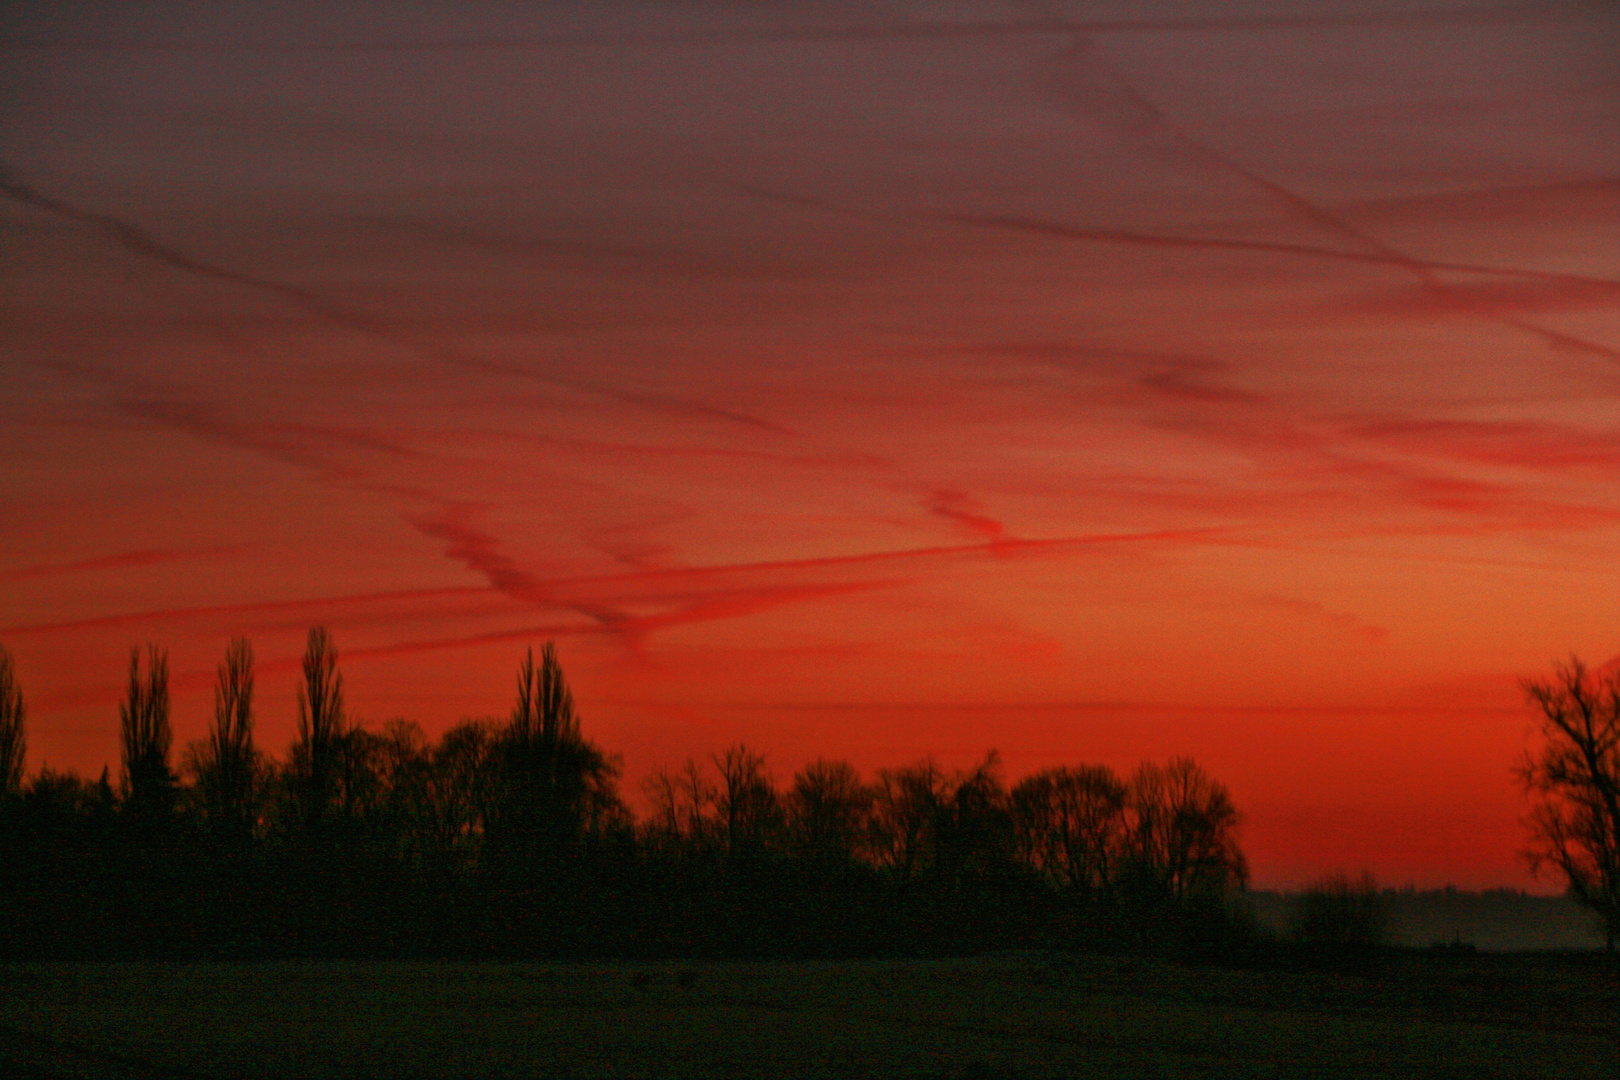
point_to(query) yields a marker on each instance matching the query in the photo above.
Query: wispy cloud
(1310, 609)
(122, 560)
(313, 609)
(140, 242)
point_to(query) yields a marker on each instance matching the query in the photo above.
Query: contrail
(1105, 95)
(165, 614)
(142, 243)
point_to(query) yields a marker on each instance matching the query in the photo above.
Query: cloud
(1518, 443)
(869, 30)
(1495, 298)
(308, 446)
(142, 243)
(1581, 284)
(481, 553)
(686, 594)
(120, 561)
(1310, 609)
(1081, 80)
(600, 258)
(965, 511)
(311, 609)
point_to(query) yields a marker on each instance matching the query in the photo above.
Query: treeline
(512, 838)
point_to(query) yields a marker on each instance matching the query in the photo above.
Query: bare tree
(226, 765)
(401, 809)
(1181, 836)
(1070, 825)
(321, 727)
(1574, 785)
(663, 828)
(750, 810)
(907, 807)
(699, 797)
(829, 811)
(462, 794)
(13, 741)
(149, 783)
(682, 809)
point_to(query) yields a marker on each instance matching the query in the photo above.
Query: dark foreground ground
(1010, 1015)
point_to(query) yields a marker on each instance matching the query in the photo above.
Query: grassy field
(1023, 1015)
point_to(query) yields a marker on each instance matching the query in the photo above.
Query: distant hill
(1497, 920)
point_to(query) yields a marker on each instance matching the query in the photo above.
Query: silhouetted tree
(461, 790)
(510, 836)
(1070, 825)
(682, 810)
(950, 829)
(424, 806)
(314, 758)
(149, 784)
(662, 829)
(906, 816)
(829, 815)
(226, 765)
(383, 790)
(557, 787)
(1574, 784)
(13, 739)
(974, 834)
(750, 811)
(1181, 835)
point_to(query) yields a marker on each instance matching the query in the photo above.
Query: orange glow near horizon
(865, 381)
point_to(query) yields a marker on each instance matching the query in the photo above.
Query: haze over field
(1095, 381)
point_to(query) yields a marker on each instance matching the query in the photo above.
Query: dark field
(1012, 1015)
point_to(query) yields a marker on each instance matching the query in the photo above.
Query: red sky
(1094, 382)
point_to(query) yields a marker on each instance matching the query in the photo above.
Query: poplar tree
(148, 782)
(227, 763)
(320, 726)
(557, 787)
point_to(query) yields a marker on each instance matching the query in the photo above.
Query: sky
(1094, 382)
